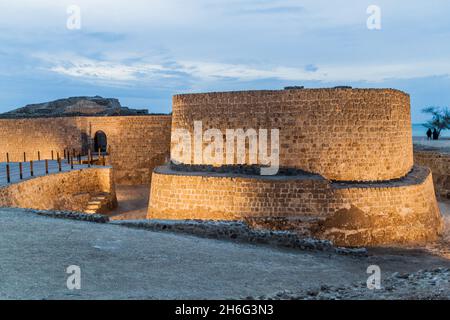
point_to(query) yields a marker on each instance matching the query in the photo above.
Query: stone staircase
(98, 203)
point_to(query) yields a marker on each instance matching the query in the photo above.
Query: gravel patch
(421, 285)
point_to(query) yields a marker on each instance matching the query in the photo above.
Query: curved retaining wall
(402, 211)
(342, 134)
(69, 191)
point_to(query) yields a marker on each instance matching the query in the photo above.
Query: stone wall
(178, 195)
(401, 211)
(32, 135)
(138, 143)
(439, 163)
(342, 134)
(60, 191)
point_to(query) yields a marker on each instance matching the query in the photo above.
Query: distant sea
(418, 130)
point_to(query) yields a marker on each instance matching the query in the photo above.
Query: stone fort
(347, 170)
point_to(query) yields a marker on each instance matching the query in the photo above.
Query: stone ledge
(233, 172)
(417, 175)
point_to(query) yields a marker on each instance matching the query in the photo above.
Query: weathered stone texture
(138, 143)
(342, 134)
(439, 163)
(33, 135)
(60, 191)
(402, 211)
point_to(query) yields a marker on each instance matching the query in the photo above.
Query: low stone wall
(400, 211)
(439, 163)
(61, 191)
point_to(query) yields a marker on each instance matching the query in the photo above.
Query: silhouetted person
(429, 134)
(435, 135)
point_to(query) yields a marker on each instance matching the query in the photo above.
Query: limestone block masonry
(359, 186)
(342, 134)
(402, 211)
(69, 191)
(138, 143)
(439, 163)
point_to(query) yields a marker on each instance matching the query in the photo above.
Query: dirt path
(133, 203)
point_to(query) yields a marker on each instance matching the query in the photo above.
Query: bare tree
(440, 119)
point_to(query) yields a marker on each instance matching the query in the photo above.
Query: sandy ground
(133, 203)
(123, 263)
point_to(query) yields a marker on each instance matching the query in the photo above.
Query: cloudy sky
(144, 51)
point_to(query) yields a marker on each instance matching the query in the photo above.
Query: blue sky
(144, 51)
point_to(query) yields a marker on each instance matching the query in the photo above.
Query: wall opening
(100, 141)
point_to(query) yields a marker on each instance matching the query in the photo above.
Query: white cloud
(143, 70)
(327, 73)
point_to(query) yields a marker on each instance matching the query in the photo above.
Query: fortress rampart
(341, 134)
(137, 143)
(359, 186)
(346, 157)
(402, 211)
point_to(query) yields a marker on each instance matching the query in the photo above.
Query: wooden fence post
(20, 171)
(31, 168)
(46, 166)
(8, 177)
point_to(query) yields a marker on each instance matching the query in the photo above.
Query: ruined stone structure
(439, 163)
(346, 157)
(137, 143)
(69, 191)
(360, 185)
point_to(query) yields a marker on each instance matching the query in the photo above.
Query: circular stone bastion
(346, 167)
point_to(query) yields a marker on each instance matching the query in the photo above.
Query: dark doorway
(100, 141)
